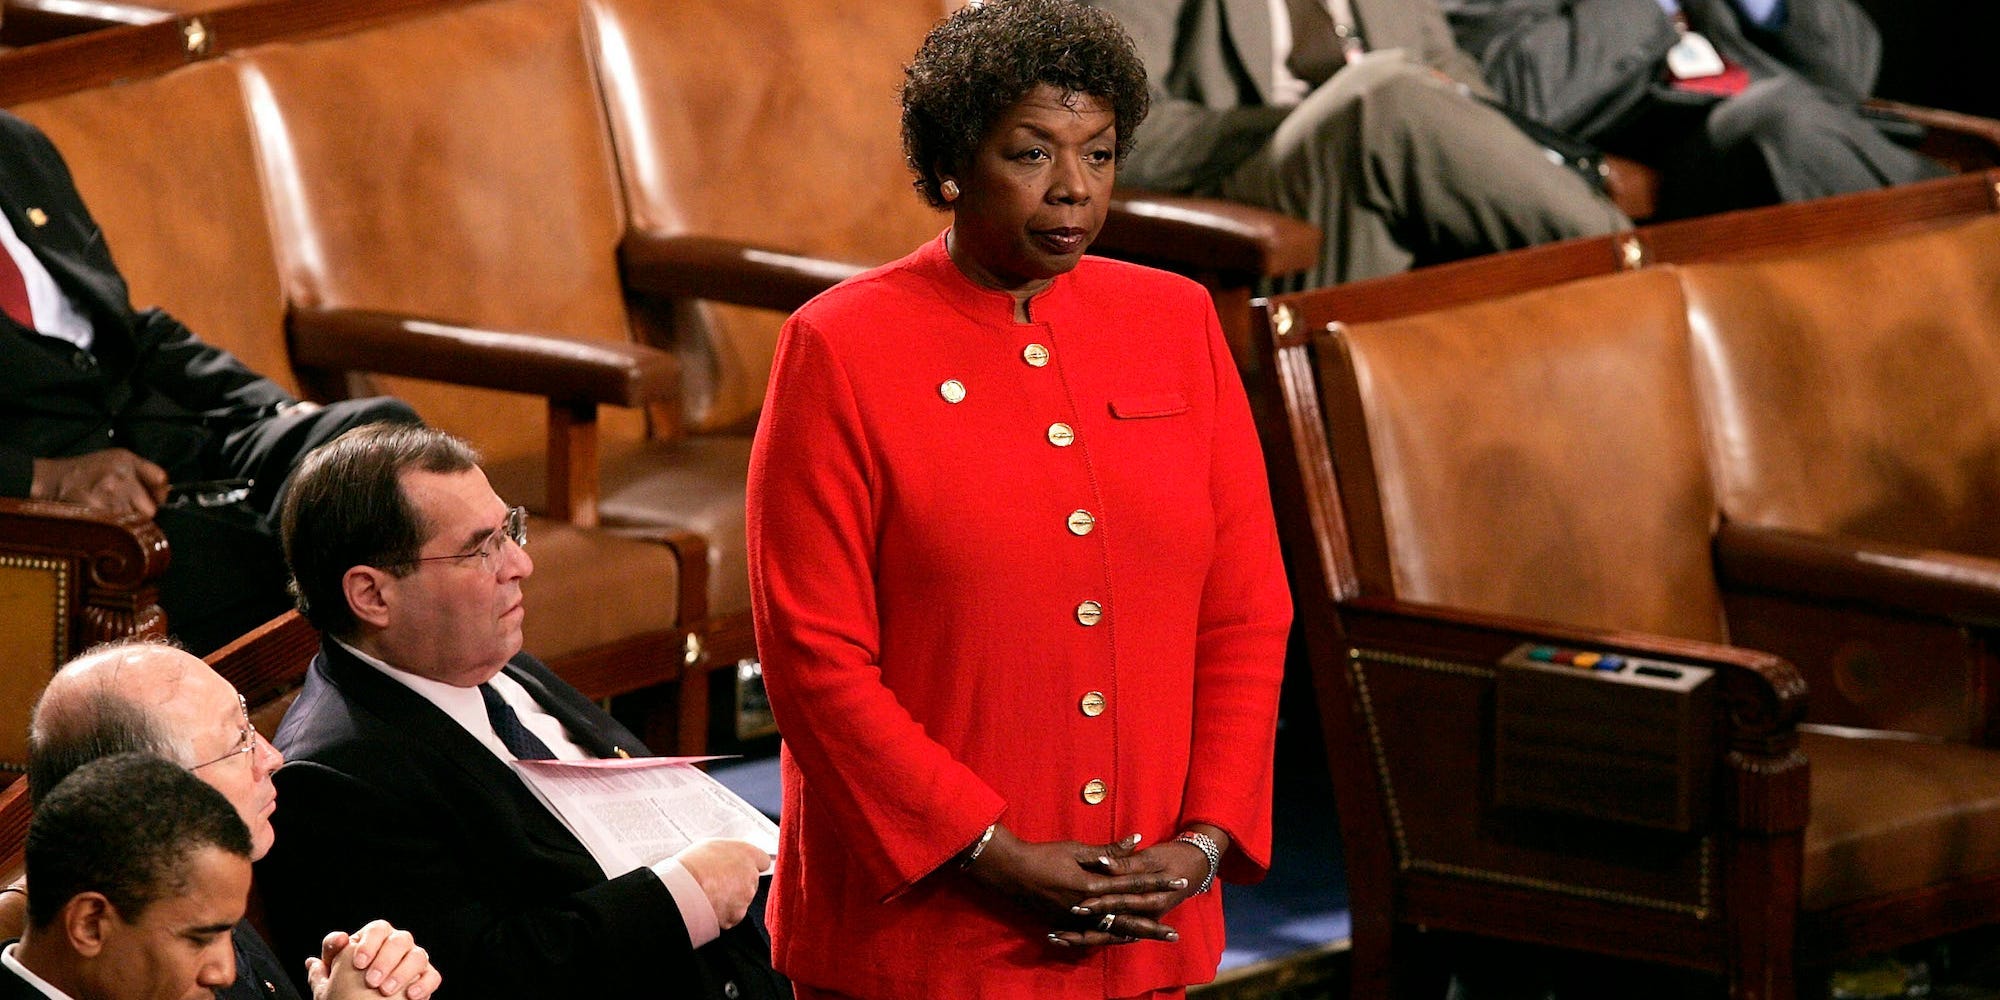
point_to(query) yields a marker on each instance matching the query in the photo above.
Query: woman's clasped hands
(1093, 895)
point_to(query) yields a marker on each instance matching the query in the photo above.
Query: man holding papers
(404, 745)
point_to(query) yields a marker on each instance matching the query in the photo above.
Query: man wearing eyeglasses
(415, 710)
(150, 697)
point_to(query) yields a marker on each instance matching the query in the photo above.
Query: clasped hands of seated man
(1076, 886)
(378, 959)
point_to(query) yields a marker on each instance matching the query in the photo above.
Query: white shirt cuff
(696, 911)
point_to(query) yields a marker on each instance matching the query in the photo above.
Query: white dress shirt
(7, 959)
(468, 709)
(55, 315)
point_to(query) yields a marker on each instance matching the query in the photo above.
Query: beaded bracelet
(1209, 849)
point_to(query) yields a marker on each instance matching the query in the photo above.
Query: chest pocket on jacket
(1158, 404)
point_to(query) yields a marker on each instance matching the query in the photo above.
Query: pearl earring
(949, 189)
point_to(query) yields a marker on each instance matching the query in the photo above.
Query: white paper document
(634, 812)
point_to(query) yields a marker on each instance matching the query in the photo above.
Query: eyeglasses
(246, 741)
(515, 527)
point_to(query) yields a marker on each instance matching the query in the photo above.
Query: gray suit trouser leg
(1401, 169)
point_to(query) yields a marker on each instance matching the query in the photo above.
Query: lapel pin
(38, 217)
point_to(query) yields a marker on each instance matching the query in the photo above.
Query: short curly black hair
(984, 58)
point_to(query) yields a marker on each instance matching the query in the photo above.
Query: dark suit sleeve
(1574, 66)
(198, 376)
(347, 853)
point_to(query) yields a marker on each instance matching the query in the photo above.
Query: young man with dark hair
(140, 870)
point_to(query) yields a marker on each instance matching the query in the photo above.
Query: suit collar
(1249, 25)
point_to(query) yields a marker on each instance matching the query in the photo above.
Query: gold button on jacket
(1092, 703)
(1061, 435)
(1035, 354)
(1080, 522)
(1089, 612)
(1094, 791)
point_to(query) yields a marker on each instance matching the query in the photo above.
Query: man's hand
(376, 960)
(727, 871)
(112, 480)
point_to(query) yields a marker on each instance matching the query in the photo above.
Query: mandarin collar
(987, 306)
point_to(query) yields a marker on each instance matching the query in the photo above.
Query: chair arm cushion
(564, 370)
(687, 266)
(1192, 234)
(1962, 588)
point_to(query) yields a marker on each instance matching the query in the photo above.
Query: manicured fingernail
(1173, 936)
(1081, 911)
(389, 988)
(1058, 941)
(1132, 841)
(1179, 883)
(374, 977)
(1104, 859)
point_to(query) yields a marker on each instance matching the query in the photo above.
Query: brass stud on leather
(1282, 318)
(1631, 253)
(195, 37)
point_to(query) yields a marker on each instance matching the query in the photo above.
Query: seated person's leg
(1803, 146)
(1402, 169)
(267, 450)
(228, 571)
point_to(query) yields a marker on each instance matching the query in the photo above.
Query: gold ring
(1105, 924)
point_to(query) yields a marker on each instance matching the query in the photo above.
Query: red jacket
(918, 571)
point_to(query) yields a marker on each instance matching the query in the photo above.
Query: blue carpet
(1302, 905)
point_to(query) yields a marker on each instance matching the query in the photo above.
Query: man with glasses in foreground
(151, 697)
(417, 707)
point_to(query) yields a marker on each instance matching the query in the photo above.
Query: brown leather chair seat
(576, 569)
(1890, 816)
(700, 480)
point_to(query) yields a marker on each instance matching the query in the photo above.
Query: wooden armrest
(575, 376)
(1966, 142)
(1962, 588)
(31, 22)
(1189, 234)
(571, 371)
(121, 550)
(687, 266)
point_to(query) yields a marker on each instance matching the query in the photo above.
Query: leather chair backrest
(167, 167)
(452, 165)
(782, 128)
(1856, 391)
(1537, 455)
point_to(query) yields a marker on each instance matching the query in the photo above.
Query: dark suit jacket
(1582, 66)
(13, 987)
(388, 808)
(259, 973)
(147, 381)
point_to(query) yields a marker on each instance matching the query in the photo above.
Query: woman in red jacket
(1015, 574)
